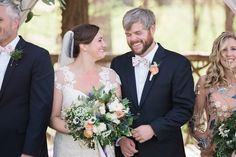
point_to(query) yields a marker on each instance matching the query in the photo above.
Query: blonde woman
(215, 92)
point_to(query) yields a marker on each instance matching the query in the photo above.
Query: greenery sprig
(225, 137)
(16, 54)
(30, 14)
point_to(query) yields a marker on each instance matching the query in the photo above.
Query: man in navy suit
(26, 90)
(159, 85)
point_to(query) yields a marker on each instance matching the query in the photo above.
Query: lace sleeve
(59, 80)
(198, 122)
(111, 80)
(115, 79)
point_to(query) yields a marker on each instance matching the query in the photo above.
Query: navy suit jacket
(166, 104)
(25, 102)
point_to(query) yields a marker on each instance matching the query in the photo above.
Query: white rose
(102, 109)
(115, 106)
(113, 117)
(100, 128)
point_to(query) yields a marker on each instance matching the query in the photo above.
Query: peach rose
(120, 114)
(154, 69)
(88, 133)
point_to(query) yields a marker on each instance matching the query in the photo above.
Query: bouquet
(225, 137)
(100, 117)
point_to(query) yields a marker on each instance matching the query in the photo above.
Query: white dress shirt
(5, 58)
(141, 72)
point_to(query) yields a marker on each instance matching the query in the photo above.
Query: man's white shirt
(141, 72)
(5, 58)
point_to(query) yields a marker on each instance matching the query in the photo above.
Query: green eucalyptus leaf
(48, 2)
(29, 16)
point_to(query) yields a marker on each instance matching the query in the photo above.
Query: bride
(84, 45)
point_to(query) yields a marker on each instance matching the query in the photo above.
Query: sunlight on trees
(188, 27)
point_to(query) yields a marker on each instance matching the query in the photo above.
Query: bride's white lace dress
(64, 145)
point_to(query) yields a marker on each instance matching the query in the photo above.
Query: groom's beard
(146, 43)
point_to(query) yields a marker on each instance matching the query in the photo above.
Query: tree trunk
(229, 19)
(75, 13)
(197, 12)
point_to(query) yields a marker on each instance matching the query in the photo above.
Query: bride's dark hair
(83, 34)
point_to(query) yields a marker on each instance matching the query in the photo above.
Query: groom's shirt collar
(14, 42)
(151, 54)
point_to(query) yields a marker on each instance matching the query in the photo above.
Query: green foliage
(101, 117)
(52, 2)
(29, 16)
(16, 54)
(225, 137)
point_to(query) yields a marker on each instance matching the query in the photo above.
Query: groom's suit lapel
(158, 58)
(130, 76)
(12, 65)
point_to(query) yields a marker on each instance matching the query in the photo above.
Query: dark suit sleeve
(112, 66)
(41, 94)
(182, 97)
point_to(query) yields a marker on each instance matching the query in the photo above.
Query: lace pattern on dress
(69, 79)
(219, 104)
(106, 79)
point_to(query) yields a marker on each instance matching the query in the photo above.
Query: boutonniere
(154, 69)
(16, 55)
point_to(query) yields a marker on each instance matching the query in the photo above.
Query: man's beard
(4, 37)
(146, 44)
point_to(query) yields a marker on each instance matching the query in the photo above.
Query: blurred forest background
(185, 26)
(188, 27)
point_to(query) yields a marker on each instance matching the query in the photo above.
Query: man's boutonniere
(16, 55)
(154, 69)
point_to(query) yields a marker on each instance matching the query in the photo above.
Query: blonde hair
(215, 74)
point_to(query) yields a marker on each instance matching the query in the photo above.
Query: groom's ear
(15, 23)
(153, 29)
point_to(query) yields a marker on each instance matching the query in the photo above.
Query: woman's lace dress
(64, 145)
(211, 107)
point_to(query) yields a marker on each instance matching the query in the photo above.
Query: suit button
(138, 114)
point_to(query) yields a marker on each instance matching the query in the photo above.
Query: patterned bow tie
(7, 50)
(137, 60)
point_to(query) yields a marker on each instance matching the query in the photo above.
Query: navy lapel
(11, 67)
(158, 57)
(130, 76)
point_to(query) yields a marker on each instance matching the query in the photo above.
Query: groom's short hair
(145, 16)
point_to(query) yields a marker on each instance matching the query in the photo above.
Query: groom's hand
(25, 155)
(143, 133)
(127, 147)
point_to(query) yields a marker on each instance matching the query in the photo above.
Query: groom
(26, 87)
(159, 85)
